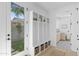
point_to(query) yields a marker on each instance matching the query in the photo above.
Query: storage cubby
(46, 45)
(42, 47)
(36, 50)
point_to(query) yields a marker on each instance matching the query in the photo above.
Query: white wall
(32, 6)
(52, 28)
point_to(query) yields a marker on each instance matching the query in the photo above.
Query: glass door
(17, 29)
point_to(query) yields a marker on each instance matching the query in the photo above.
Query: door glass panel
(17, 28)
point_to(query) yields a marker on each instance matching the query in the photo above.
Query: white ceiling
(52, 6)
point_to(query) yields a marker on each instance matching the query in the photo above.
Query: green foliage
(18, 10)
(18, 45)
(19, 27)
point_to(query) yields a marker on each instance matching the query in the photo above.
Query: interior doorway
(63, 33)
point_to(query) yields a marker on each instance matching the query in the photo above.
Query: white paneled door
(3, 29)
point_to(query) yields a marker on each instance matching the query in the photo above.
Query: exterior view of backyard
(17, 28)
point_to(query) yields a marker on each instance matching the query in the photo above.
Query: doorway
(63, 33)
(17, 29)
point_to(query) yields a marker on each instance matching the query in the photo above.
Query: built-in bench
(42, 47)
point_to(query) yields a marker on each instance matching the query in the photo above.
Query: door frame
(8, 31)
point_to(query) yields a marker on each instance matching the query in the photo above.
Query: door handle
(8, 39)
(8, 34)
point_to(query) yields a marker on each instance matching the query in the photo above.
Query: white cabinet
(35, 34)
(39, 33)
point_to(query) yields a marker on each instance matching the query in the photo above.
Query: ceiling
(52, 6)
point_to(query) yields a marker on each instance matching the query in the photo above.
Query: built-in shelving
(39, 34)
